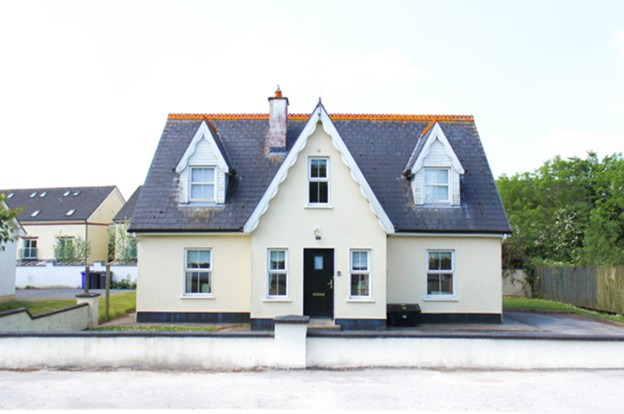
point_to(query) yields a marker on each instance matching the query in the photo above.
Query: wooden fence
(599, 288)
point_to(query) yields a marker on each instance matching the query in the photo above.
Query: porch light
(317, 233)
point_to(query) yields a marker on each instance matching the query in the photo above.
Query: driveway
(36, 294)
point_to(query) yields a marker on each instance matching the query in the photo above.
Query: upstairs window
(437, 185)
(318, 180)
(440, 273)
(202, 184)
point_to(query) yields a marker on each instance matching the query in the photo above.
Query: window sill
(441, 298)
(276, 300)
(362, 300)
(319, 206)
(194, 297)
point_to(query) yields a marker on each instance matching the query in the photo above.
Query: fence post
(108, 277)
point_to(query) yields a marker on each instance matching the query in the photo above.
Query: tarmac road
(566, 391)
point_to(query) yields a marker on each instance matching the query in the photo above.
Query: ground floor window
(277, 273)
(30, 249)
(198, 272)
(440, 272)
(360, 273)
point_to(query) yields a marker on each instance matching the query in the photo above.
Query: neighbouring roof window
(67, 193)
(43, 194)
(11, 195)
(35, 213)
(33, 195)
(70, 212)
(77, 193)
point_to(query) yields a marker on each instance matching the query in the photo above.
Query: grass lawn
(511, 303)
(120, 305)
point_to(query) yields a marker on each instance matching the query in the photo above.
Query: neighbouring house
(249, 217)
(8, 260)
(57, 219)
(124, 243)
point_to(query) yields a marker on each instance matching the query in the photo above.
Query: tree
(71, 250)
(568, 211)
(124, 243)
(6, 226)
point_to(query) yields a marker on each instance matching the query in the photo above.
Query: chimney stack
(278, 122)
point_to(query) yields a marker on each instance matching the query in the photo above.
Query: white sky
(85, 87)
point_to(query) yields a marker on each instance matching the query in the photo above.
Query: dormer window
(437, 185)
(202, 184)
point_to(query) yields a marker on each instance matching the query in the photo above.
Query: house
(253, 216)
(61, 217)
(125, 244)
(7, 259)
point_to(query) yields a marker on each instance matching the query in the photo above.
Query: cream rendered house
(249, 217)
(61, 215)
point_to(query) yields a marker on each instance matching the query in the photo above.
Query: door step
(323, 324)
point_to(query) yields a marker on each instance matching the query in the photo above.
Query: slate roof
(53, 204)
(382, 145)
(128, 208)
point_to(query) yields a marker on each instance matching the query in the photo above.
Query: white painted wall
(347, 224)
(7, 271)
(478, 275)
(71, 319)
(221, 351)
(161, 274)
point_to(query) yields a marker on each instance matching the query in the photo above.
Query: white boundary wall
(67, 276)
(250, 351)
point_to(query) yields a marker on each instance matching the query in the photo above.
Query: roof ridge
(338, 117)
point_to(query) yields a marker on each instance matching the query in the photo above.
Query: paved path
(569, 391)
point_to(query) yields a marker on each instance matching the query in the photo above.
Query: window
(35, 213)
(66, 193)
(202, 187)
(33, 195)
(360, 273)
(437, 185)
(70, 212)
(278, 273)
(440, 272)
(43, 194)
(198, 272)
(30, 249)
(318, 178)
(65, 242)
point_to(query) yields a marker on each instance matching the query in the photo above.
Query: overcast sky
(85, 87)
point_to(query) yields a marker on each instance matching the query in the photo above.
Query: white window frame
(208, 271)
(447, 185)
(207, 183)
(27, 247)
(319, 180)
(367, 272)
(271, 271)
(440, 272)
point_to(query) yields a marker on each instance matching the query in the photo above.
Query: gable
(320, 118)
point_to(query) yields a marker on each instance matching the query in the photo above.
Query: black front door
(318, 285)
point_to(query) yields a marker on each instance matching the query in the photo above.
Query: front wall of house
(477, 273)
(348, 224)
(161, 274)
(46, 237)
